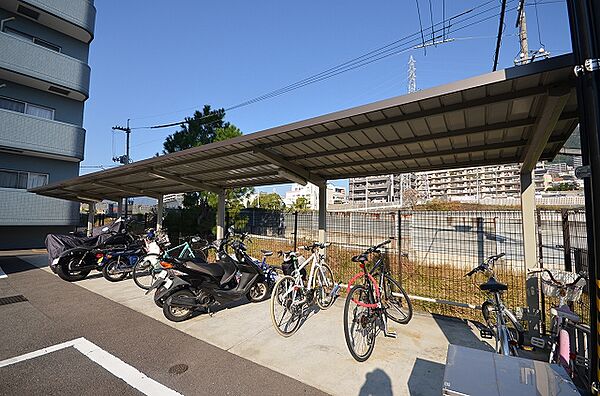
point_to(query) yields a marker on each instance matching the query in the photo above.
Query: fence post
(480, 240)
(295, 230)
(541, 264)
(566, 232)
(399, 220)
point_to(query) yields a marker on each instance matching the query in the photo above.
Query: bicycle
(148, 267)
(568, 287)
(294, 290)
(370, 304)
(496, 315)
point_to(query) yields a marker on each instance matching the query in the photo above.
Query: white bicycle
(294, 291)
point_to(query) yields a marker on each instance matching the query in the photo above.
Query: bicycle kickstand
(386, 332)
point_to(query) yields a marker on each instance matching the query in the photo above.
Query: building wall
(32, 73)
(73, 48)
(65, 110)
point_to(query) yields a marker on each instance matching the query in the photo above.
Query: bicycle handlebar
(316, 245)
(486, 264)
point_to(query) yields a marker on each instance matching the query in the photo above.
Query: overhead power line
(499, 39)
(401, 45)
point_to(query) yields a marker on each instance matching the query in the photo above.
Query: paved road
(58, 311)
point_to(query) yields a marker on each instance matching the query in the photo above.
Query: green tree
(301, 205)
(197, 130)
(204, 127)
(270, 201)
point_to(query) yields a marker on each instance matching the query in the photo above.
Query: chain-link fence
(432, 250)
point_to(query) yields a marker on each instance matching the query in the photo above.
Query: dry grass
(445, 282)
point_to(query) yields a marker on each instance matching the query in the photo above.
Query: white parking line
(2, 274)
(111, 363)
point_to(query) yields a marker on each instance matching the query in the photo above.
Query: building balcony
(30, 64)
(39, 136)
(74, 18)
(20, 208)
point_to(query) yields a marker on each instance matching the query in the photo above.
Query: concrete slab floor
(411, 364)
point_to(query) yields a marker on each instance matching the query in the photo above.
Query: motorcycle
(119, 263)
(199, 285)
(73, 257)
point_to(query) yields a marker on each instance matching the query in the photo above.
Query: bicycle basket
(551, 289)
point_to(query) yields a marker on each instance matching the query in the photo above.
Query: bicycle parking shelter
(521, 115)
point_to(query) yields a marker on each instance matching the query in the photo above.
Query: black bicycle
(370, 304)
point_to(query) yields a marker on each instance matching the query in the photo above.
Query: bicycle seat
(266, 252)
(361, 258)
(565, 312)
(492, 285)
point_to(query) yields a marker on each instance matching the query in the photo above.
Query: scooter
(201, 286)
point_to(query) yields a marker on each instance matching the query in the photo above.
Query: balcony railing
(25, 132)
(80, 13)
(29, 59)
(18, 207)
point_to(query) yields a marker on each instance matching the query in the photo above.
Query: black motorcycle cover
(56, 244)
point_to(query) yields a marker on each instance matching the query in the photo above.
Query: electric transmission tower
(412, 75)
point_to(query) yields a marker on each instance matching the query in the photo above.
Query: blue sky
(155, 62)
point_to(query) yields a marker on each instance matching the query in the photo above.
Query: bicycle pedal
(528, 348)
(486, 333)
(391, 334)
(538, 342)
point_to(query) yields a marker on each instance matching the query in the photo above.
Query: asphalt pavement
(57, 311)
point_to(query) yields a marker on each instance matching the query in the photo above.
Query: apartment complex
(335, 195)
(500, 181)
(44, 82)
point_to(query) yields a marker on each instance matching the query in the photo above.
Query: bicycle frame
(315, 260)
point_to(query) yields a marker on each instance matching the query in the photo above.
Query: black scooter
(200, 285)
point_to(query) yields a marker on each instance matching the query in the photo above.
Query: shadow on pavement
(377, 383)
(458, 332)
(426, 378)
(13, 265)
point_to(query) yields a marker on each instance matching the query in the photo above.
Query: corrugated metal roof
(507, 116)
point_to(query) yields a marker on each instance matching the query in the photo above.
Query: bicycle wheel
(145, 271)
(324, 285)
(396, 301)
(512, 335)
(360, 324)
(286, 315)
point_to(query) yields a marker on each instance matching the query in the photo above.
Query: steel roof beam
(549, 116)
(533, 91)
(424, 138)
(295, 170)
(408, 157)
(128, 190)
(185, 181)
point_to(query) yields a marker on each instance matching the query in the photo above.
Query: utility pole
(522, 25)
(124, 159)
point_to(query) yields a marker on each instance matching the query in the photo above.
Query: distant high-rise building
(44, 82)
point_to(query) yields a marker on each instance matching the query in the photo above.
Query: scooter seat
(213, 270)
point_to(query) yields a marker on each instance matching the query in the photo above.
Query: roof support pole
(159, 212)
(530, 249)
(221, 214)
(120, 207)
(91, 213)
(323, 212)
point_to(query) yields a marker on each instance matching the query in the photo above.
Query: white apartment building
(498, 181)
(335, 195)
